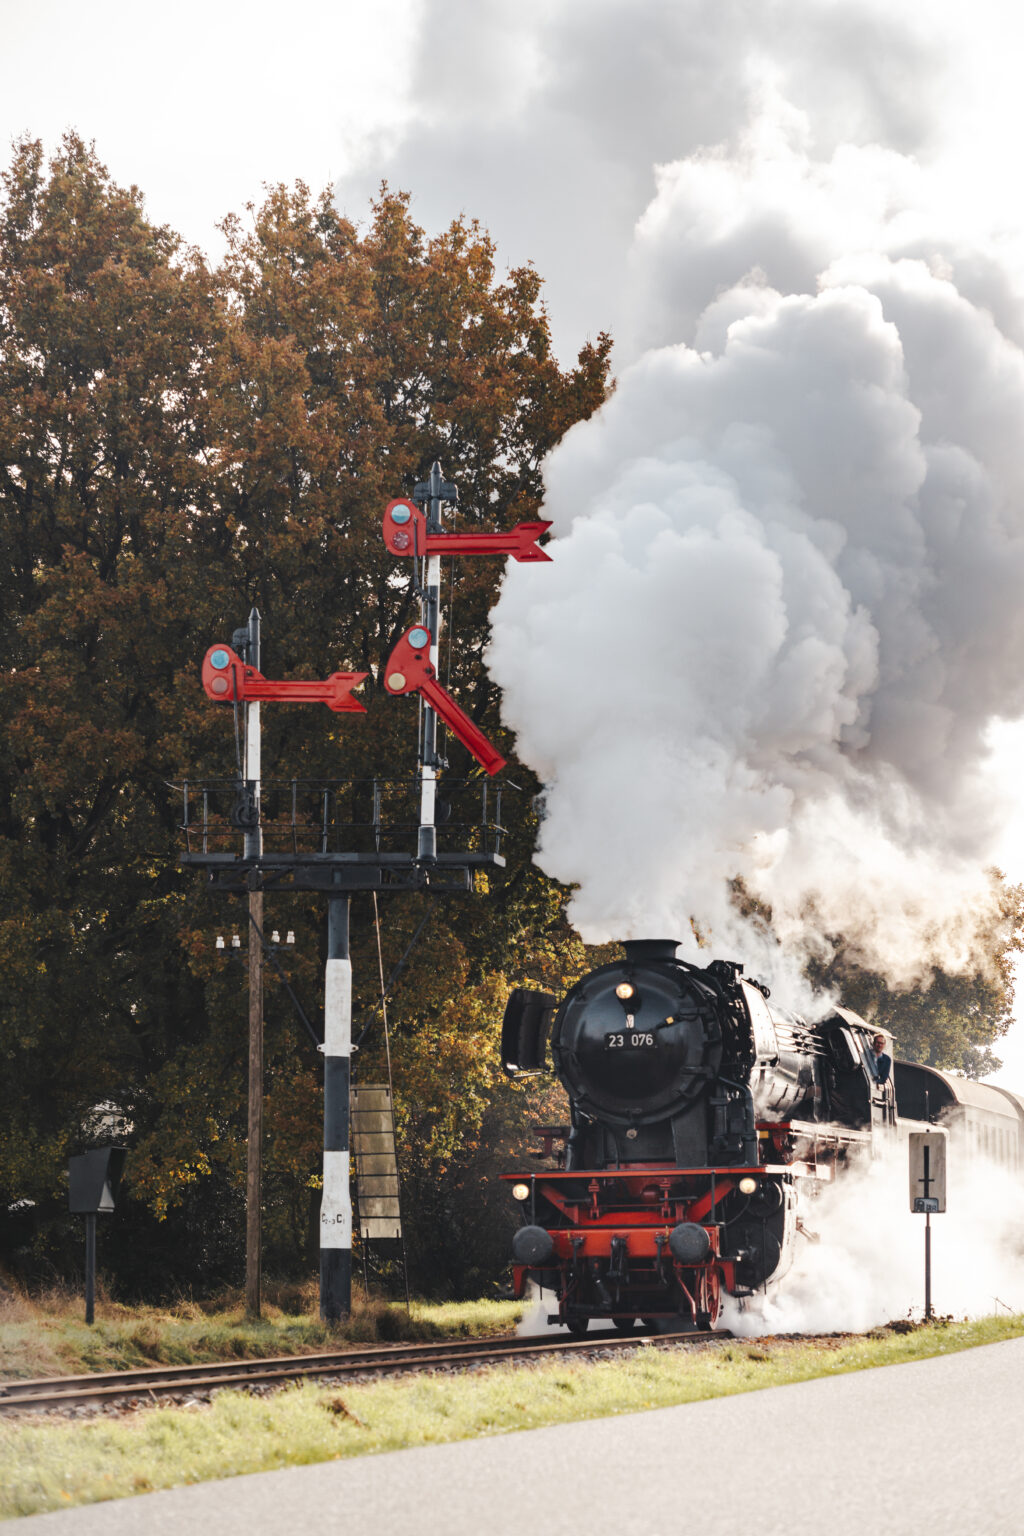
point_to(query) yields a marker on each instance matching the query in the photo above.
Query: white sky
(200, 104)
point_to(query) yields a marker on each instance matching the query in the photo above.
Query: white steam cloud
(785, 606)
(863, 1264)
(546, 119)
(784, 609)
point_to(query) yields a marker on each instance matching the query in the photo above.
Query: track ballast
(54, 1393)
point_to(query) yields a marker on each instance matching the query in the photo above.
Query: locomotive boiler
(698, 1112)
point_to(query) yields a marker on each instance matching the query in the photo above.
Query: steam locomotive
(701, 1115)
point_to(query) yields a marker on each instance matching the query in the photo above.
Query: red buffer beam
(226, 677)
(409, 671)
(405, 533)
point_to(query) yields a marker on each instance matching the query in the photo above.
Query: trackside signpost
(927, 1154)
(93, 1179)
(412, 528)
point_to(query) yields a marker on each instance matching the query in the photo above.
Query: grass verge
(47, 1336)
(46, 1466)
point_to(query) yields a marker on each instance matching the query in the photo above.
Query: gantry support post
(336, 1206)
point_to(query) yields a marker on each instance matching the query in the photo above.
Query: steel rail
(159, 1381)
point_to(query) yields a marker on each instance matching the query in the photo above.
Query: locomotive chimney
(642, 951)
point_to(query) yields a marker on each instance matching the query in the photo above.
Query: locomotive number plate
(631, 1040)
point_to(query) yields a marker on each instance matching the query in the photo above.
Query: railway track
(101, 1388)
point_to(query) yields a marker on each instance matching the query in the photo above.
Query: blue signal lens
(400, 514)
(220, 660)
(419, 638)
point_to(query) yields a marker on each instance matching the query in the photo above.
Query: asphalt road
(911, 1450)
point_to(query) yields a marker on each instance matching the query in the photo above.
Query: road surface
(927, 1449)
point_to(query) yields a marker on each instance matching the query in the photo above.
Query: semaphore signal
(227, 678)
(410, 670)
(407, 532)
(412, 527)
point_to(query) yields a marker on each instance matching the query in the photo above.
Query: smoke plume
(783, 610)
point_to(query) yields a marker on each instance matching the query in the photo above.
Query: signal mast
(413, 528)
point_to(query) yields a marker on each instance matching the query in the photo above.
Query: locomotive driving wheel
(711, 1297)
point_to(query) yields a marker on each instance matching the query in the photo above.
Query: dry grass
(52, 1466)
(45, 1334)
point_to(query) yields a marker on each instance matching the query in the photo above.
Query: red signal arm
(407, 535)
(236, 680)
(409, 671)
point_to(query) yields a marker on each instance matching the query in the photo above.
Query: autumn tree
(177, 444)
(353, 359)
(950, 1020)
(106, 506)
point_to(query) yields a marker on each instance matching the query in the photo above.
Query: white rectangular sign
(927, 1171)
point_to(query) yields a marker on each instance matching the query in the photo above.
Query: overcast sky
(562, 125)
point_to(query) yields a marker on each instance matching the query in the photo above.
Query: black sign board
(94, 1178)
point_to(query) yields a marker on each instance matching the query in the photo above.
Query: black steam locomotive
(699, 1113)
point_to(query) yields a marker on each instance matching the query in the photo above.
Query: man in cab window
(881, 1064)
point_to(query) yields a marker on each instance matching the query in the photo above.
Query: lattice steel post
(433, 493)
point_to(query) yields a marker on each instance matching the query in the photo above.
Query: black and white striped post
(336, 1206)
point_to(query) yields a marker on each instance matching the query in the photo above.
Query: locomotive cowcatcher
(699, 1116)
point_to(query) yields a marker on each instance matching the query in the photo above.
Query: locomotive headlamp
(747, 1185)
(624, 990)
(520, 1191)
